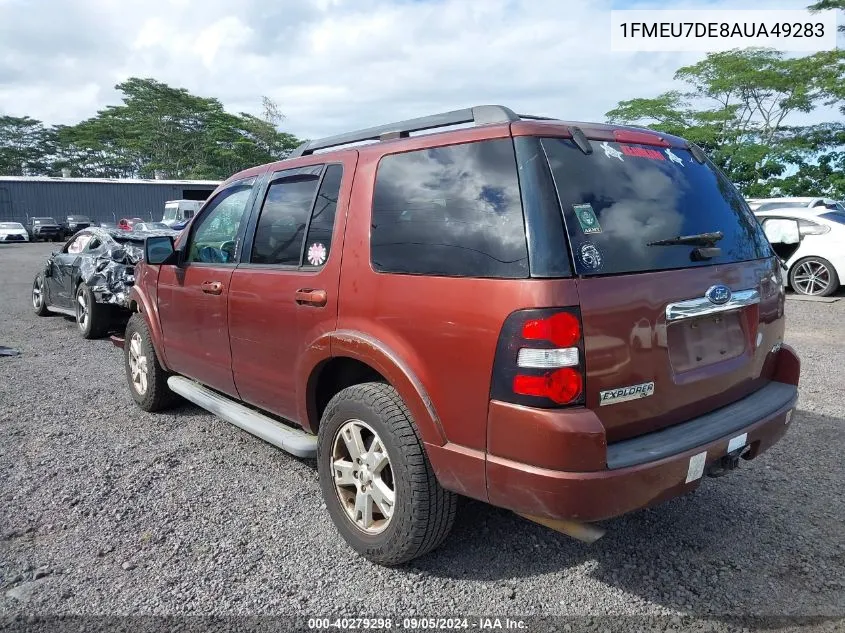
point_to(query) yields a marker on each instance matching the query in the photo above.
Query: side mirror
(159, 249)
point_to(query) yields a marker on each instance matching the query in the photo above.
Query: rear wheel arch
(331, 377)
(361, 358)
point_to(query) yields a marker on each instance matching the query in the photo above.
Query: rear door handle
(212, 287)
(310, 297)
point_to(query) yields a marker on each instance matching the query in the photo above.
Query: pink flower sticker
(317, 254)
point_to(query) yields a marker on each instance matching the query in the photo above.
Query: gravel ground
(109, 510)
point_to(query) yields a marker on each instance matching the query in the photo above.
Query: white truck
(179, 211)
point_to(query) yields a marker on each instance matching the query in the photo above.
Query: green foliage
(155, 128)
(737, 107)
(829, 4)
(25, 145)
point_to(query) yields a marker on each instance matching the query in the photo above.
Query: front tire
(92, 318)
(145, 375)
(376, 480)
(39, 296)
(814, 276)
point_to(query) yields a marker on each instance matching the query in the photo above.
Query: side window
(78, 244)
(451, 211)
(284, 218)
(319, 241)
(213, 240)
(189, 213)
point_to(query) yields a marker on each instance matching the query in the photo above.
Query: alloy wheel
(37, 294)
(363, 477)
(82, 309)
(811, 278)
(138, 364)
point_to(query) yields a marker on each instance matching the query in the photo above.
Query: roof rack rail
(534, 117)
(479, 115)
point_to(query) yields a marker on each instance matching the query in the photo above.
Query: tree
(159, 128)
(823, 5)
(25, 146)
(738, 106)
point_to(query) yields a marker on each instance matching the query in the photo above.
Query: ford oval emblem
(719, 294)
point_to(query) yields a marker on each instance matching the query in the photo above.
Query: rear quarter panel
(443, 329)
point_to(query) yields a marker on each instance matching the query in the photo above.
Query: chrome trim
(702, 306)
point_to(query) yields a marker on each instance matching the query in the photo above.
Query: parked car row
(46, 229)
(570, 321)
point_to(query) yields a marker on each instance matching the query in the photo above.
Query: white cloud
(332, 65)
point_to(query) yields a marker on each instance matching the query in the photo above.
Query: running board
(294, 441)
(65, 311)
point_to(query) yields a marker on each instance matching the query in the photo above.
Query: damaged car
(90, 279)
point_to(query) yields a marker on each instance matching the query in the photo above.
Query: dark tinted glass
(620, 198)
(284, 216)
(319, 242)
(834, 216)
(453, 211)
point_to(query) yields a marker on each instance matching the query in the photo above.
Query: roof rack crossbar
(479, 115)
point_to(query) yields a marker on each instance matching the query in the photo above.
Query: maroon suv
(569, 320)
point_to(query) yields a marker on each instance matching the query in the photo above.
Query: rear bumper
(646, 470)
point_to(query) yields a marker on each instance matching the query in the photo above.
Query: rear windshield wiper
(701, 239)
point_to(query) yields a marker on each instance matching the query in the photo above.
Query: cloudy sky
(332, 65)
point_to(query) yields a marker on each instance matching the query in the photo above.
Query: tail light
(540, 359)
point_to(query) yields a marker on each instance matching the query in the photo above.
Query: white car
(13, 232)
(812, 243)
(769, 204)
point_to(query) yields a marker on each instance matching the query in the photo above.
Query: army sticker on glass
(587, 218)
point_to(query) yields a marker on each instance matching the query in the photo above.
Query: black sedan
(90, 278)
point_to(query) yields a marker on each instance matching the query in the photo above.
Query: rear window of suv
(619, 198)
(450, 211)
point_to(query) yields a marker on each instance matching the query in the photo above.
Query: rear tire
(809, 275)
(391, 481)
(146, 377)
(93, 319)
(39, 296)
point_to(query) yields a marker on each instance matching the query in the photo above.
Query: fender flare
(148, 308)
(382, 358)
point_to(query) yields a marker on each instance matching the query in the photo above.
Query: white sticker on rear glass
(674, 158)
(611, 152)
(737, 442)
(590, 256)
(696, 466)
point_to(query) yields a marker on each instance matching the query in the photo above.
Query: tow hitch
(727, 463)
